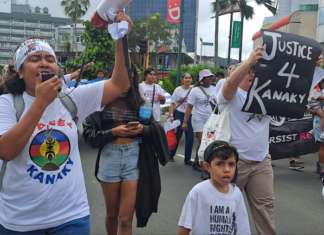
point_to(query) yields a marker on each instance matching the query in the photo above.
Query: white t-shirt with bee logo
(43, 187)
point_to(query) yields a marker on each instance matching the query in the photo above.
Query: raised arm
(75, 74)
(119, 81)
(231, 85)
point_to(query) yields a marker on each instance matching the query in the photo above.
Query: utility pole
(201, 47)
(147, 57)
(196, 32)
(230, 40)
(216, 34)
(180, 41)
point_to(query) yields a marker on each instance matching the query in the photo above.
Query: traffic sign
(208, 43)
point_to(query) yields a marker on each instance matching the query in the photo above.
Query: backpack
(19, 105)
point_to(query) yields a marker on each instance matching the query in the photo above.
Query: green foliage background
(101, 51)
(171, 80)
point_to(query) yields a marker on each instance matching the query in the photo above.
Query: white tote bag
(217, 127)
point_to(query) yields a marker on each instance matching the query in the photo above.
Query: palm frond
(247, 12)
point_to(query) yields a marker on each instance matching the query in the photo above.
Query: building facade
(287, 7)
(138, 10)
(299, 22)
(19, 21)
(320, 26)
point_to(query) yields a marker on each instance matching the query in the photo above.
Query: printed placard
(284, 76)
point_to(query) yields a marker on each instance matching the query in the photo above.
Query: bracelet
(171, 115)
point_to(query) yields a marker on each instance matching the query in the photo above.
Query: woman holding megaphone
(43, 189)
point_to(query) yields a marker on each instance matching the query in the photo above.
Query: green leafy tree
(75, 9)
(100, 49)
(193, 70)
(247, 12)
(65, 44)
(159, 31)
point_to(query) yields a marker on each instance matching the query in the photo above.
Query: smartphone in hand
(132, 124)
(47, 76)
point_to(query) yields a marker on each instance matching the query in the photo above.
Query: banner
(236, 37)
(291, 139)
(283, 76)
(174, 11)
(166, 61)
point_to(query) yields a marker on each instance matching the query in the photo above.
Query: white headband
(30, 47)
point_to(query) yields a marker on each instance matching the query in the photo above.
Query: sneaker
(171, 159)
(311, 132)
(295, 165)
(322, 135)
(318, 168)
(322, 181)
(196, 166)
(205, 175)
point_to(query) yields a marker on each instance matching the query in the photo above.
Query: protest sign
(291, 138)
(283, 76)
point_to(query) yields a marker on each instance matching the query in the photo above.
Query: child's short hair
(220, 149)
(100, 70)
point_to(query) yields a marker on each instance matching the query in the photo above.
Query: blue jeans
(189, 134)
(77, 226)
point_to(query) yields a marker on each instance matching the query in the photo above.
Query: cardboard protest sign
(284, 76)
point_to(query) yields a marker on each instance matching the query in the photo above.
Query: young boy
(216, 206)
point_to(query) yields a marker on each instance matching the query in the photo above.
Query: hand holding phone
(132, 124)
(47, 76)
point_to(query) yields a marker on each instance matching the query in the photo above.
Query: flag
(174, 11)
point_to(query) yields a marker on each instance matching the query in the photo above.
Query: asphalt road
(299, 204)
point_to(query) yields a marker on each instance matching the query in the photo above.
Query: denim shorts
(78, 226)
(317, 129)
(197, 125)
(119, 162)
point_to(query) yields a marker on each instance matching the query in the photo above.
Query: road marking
(180, 155)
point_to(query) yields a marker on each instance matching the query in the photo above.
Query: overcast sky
(206, 25)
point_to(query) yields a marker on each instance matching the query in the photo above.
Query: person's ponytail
(13, 83)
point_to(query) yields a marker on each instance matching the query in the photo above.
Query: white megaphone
(99, 18)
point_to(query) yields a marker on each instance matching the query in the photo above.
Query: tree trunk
(241, 38)
(75, 36)
(216, 34)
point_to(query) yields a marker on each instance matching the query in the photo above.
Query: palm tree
(65, 44)
(247, 12)
(75, 9)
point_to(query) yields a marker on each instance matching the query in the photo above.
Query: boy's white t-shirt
(146, 92)
(207, 211)
(44, 186)
(178, 96)
(200, 102)
(249, 131)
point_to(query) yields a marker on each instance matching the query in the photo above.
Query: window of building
(79, 39)
(321, 16)
(160, 59)
(17, 27)
(31, 21)
(45, 22)
(308, 7)
(4, 18)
